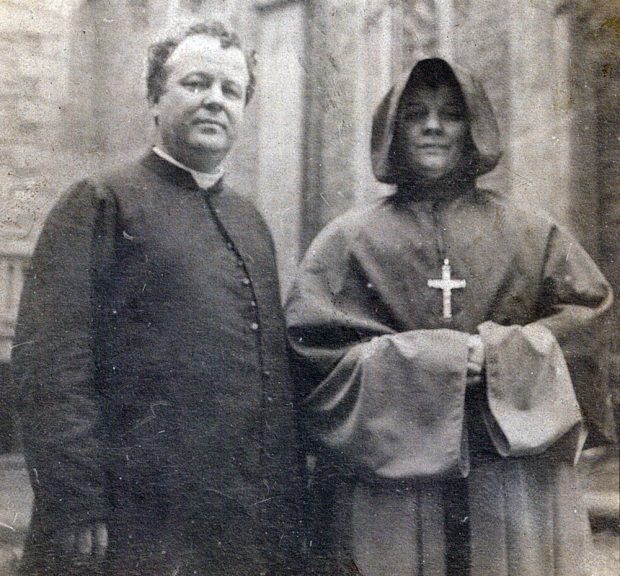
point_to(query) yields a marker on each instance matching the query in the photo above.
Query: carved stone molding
(374, 10)
(420, 28)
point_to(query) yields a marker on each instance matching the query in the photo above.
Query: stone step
(600, 472)
(603, 505)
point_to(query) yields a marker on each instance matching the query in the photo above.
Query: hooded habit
(427, 476)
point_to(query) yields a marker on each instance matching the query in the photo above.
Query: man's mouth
(210, 122)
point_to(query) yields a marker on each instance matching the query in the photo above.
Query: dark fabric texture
(382, 376)
(153, 385)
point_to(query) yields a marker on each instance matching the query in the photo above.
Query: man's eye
(195, 86)
(232, 90)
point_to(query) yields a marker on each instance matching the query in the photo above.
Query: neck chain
(446, 284)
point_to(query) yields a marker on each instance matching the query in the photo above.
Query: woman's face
(432, 130)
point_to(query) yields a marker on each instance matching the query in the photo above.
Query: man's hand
(475, 360)
(84, 541)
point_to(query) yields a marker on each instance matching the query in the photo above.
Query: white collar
(205, 180)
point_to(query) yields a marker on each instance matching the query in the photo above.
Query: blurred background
(72, 102)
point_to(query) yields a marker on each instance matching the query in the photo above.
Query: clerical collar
(205, 180)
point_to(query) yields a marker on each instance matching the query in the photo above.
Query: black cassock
(428, 478)
(153, 384)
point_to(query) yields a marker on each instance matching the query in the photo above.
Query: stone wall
(33, 66)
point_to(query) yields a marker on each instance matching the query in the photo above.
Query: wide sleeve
(576, 303)
(389, 405)
(545, 380)
(530, 402)
(54, 359)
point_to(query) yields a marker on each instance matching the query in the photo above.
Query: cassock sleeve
(54, 360)
(389, 405)
(543, 376)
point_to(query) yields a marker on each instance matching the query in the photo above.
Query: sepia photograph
(309, 287)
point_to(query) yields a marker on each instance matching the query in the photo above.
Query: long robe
(423, 476)
(153, 381)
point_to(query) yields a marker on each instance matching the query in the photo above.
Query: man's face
(201, 108)
(432, 129)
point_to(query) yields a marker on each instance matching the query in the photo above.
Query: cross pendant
(447, 285)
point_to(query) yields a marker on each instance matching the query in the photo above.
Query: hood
(482, 123)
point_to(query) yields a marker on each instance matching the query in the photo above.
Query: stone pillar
(597, 54)
(110, 43)
(332, 73)
(420, 30)
(279, 123)
(354, 53)
(539, 160)
(481, 42)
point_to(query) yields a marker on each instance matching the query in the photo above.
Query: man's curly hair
(159, 52)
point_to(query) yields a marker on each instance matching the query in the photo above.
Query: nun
(449, 357)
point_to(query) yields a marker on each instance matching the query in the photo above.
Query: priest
(150, 353)
(449, 352)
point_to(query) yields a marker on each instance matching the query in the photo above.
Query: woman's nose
(432, 122)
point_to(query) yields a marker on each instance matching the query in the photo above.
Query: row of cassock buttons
(254, 326)
(246, 282)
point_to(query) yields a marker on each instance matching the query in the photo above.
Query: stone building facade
(74, 102)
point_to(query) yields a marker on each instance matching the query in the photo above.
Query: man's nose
(432, 122)
(213, 96)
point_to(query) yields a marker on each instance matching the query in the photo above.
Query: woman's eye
(414, 113)
(453, 114)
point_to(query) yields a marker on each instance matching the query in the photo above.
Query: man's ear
(154, 110)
